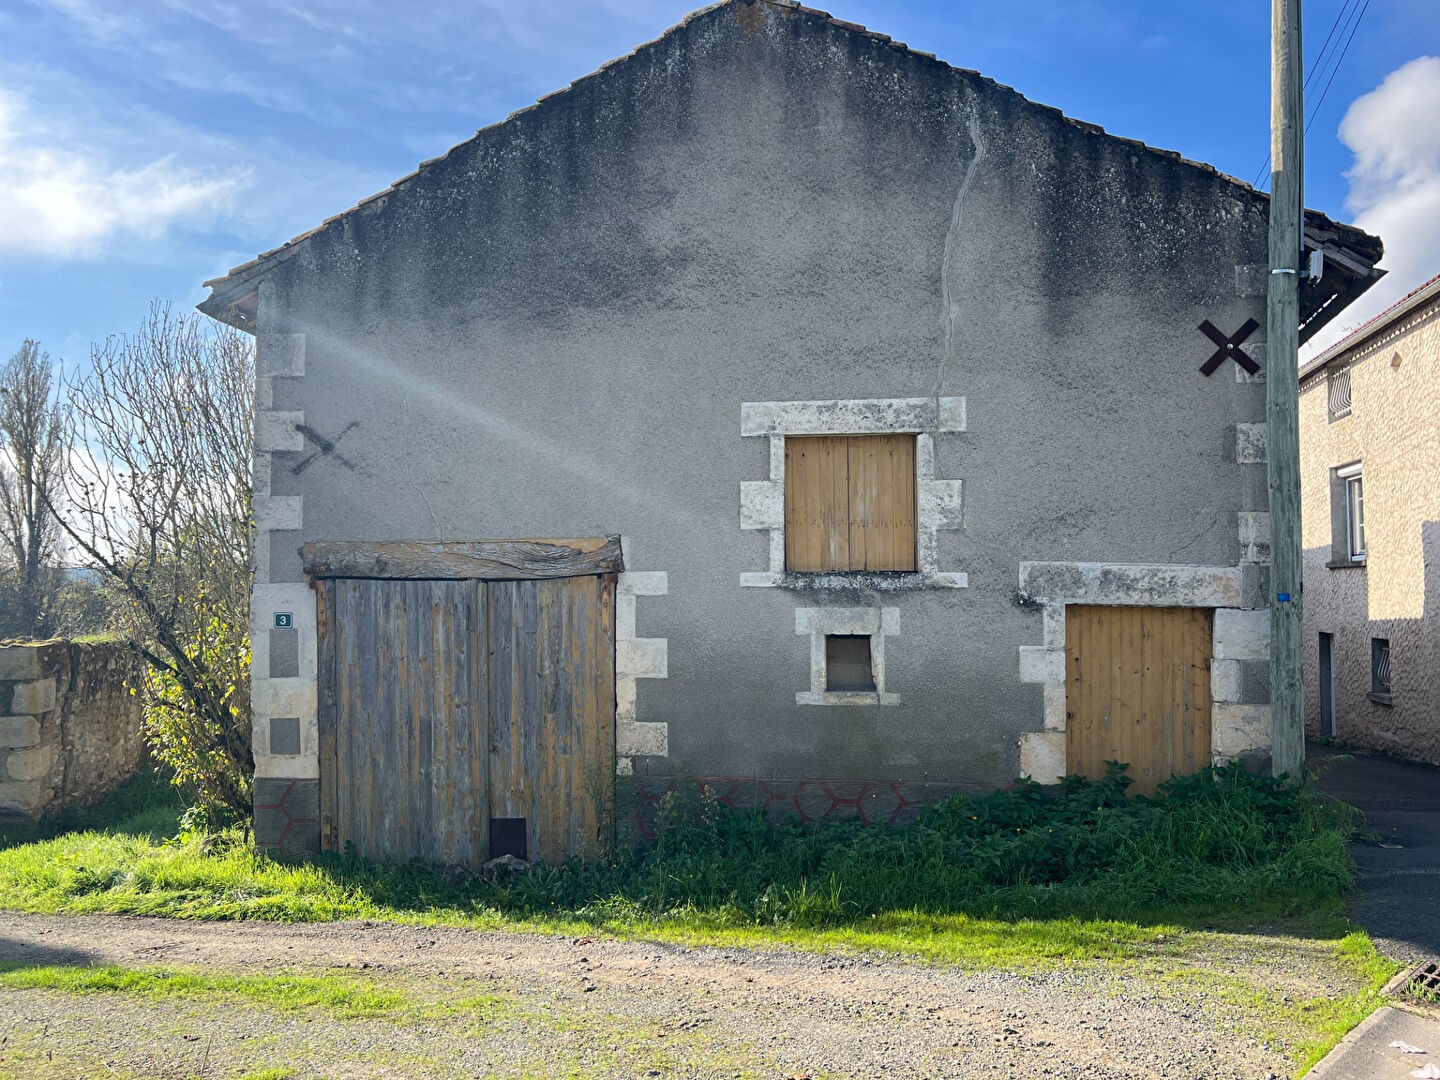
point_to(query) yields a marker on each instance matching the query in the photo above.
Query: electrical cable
(1319, 65)
(1334, 71)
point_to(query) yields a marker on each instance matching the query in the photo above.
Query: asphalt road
(1398, 900)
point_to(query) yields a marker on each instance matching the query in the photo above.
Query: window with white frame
(1347, 515)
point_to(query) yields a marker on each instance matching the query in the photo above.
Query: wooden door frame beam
(463, 560)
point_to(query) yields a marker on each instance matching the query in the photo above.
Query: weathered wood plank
(487, 560)
(326, 693)
(502, 699)
(525, 760)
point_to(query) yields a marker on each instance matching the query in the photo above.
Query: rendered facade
(878, 370)
(1370, 488)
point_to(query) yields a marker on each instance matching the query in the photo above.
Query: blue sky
(146, 145)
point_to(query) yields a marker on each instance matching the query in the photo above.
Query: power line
(1334, 71)
(1341, 16)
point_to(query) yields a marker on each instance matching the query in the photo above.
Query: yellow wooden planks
(850, 503)
(1137, 691)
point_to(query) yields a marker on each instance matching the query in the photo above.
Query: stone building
(928, 422)
(1370, 489)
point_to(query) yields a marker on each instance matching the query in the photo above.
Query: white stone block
(632, 739)
(624, 618)
(1159, 584)
(1055, 715)
(277, 430)
(941, 504)
(1042, 756)
(642, 658)
(1242, 635)
(1033, 664)
(762, 504)
(33, 698)
(304, 766)
(1053, 627)
(1254, 533)
(624, 699)
(278, 512)
(945, 579)
(777, 457)
(860, 416)
(952, 414)
(643, 583)
(294, 597)
(18, 732)
(1238, 729)
(283, 697)
(1224, 680)
(32, 764)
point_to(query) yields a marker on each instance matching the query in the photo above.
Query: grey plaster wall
(550, 333)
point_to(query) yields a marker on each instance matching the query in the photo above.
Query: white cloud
(1394, 133)
(65, 202)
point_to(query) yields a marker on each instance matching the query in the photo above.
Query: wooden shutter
(850, 502)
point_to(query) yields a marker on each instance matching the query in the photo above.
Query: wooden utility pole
(1287, 724)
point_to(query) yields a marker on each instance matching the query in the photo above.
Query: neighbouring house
(1370, 489)
(870, 433)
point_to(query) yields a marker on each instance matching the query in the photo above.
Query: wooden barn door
(461, 716)
(1137, 689)
(552, 714)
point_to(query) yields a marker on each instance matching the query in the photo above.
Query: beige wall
(1394, 431)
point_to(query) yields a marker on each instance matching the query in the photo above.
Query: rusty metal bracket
(1229, 347)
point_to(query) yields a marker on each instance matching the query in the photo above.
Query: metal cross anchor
(323, 447)
(1229, 347)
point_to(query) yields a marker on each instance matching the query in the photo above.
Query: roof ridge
(239, 275)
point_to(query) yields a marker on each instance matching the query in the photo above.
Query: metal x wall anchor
(1229, 347)
(323, 447)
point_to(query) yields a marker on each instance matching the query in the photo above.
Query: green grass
(345, 999)
(1004, 879)
(1017, 879)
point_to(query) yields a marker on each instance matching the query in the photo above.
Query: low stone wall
(69, 726)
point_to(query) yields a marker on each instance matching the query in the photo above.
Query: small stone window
(847, 655)
(848, 667)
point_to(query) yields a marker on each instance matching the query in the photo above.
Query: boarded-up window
(850, 502)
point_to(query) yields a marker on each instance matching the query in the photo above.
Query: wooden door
(1137, 690)
(453, 709)
(552, 713)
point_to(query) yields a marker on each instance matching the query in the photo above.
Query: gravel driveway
(512, 1005)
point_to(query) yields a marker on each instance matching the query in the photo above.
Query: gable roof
(1350, 253)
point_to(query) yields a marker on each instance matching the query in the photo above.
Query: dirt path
(508, 1005)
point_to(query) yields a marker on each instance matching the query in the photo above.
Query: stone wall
(69, 726)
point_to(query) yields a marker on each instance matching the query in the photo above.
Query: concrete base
(1366, 1053)
(287, 815)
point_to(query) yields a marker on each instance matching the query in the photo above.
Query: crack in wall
(947, 265)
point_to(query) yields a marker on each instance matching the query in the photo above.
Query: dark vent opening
(847, 663)
(507, 837)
